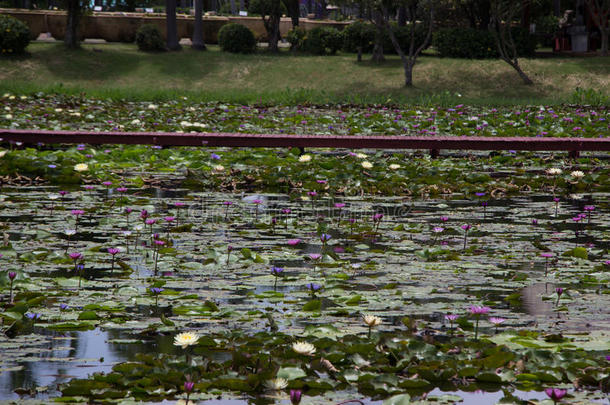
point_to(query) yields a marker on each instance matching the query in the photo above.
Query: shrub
(546, 28)
(296, 37)
(236, 38)
(525, 42)
(266, 7)
(14, 35)
(403, 36)
(323, 41)
(465, 43)
(478, 44)
(149, 39)
(358, 34)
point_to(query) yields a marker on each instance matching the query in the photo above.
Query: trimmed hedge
(358, 34)
(14, 35)
(236, 38)
(323, 41)
(363, 34)
(477, 44)
(149, 38)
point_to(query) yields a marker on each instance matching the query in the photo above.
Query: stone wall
(122, 27)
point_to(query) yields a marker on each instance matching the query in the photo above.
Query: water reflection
(70, 355)
(531, 298)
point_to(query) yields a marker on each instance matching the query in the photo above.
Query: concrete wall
(122, 27)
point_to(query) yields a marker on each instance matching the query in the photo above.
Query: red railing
(433, 143)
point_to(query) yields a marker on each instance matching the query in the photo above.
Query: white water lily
(371, 320)
(367, 165)
(361, 156)
(394, 166)
(554, 171)
(81, 167)
(186, 339)
(577, 174)
(276, 384)
(304, 158)
(2, 153)
(304, 348)
(152, 106)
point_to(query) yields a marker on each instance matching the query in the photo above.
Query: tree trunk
(198, 42)
(408, 74)
(359, 54)
(274, 33)
(294, 11)
(232, 3)
(402, 16)
(604, 45)
(524, 77)
(71, 38)
(173, 43)
(378, 47)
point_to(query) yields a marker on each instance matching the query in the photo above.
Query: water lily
(113, 252)
(276, 384)
(556, 394)
(313, 288)
(466, 228)
(295, 397)
(477, 311)
(371, 321)
(559, 292)
(304, 158)
(75, 256)
(186, 339)
(276, 272)
(577, 175)
(156, 291)
(451, 318)
(81, 167)
(496, 321)
(304, 348)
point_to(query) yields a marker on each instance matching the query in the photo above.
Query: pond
(105, 279)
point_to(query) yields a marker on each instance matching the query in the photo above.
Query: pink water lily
(555, 393)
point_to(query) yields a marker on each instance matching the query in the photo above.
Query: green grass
(121, 71)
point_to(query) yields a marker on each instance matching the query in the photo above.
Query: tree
(271, 13)
(74, 10)
(172, 41)
(198, 42)
(416, 10)
(503, 13)
(294, 11)
(477, 12)
(600, 13)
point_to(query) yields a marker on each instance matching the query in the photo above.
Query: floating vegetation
(131, 274)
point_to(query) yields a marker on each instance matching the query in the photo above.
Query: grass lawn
(121, 71)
